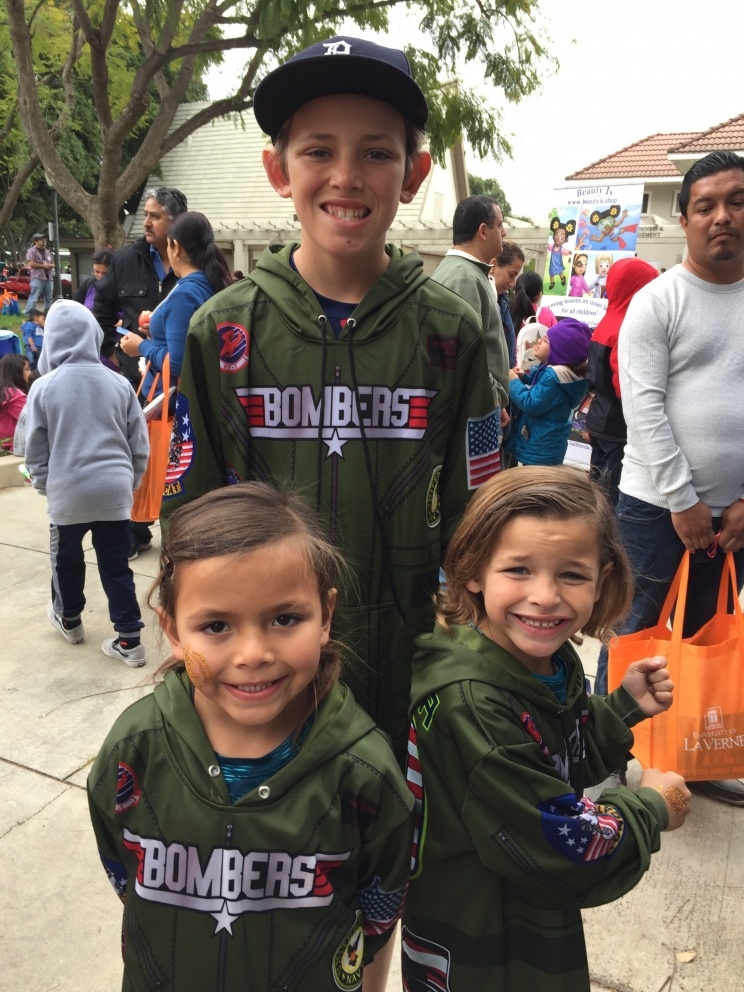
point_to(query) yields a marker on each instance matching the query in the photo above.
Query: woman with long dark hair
(202, 271)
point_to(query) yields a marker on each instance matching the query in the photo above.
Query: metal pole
(57, 268)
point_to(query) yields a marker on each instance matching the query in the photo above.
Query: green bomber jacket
(290, 888)
(508, 847)
(386, 430)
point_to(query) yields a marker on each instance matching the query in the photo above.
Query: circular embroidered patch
(347, 961)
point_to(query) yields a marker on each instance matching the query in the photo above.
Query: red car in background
(19, 284)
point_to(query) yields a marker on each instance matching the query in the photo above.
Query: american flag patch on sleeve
(482, 446)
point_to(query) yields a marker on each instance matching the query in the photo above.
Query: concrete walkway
(60, 918)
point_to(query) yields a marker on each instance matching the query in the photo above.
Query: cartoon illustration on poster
(591, 228)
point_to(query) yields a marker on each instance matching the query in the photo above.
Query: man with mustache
(681, 368)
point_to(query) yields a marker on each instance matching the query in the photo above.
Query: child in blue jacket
(32, 330)
(543, 400)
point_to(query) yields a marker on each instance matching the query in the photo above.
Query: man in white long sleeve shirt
(681, 358)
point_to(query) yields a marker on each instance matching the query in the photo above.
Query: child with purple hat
(543, 400)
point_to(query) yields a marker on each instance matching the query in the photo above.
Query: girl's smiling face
(249, 629)
(539, 587)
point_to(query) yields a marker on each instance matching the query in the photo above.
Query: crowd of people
(373, 561)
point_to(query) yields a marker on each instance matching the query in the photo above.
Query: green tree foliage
(492, 188)
(133, 64)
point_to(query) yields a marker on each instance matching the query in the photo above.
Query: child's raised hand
(649, 684)
(673, 791)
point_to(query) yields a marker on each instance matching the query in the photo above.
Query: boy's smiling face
(346, 172)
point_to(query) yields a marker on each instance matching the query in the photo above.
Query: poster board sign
(592, 227)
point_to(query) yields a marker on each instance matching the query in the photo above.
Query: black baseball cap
(339, 65)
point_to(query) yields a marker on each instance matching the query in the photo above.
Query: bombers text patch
(231, 882)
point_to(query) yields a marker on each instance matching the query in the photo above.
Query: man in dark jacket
(138, 279)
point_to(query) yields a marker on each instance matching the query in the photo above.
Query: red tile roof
(647, 157)
(728, 136)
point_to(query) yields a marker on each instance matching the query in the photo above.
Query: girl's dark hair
(527, 289)
(545, 493)
(11, 375)
(510, 252)
(103, 256)
(194, 234)
(235, 521)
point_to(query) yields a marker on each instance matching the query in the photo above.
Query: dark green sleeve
(473, 399)
(197, 421)
(528, 826)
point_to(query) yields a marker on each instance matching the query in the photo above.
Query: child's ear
(330, 605)
(275, 172)
(170, 630)
(419, 171)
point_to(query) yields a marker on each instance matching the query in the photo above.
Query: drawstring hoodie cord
(323, 323)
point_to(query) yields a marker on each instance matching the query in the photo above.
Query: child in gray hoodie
(86, 450)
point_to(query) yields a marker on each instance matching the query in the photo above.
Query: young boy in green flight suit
(337, 367)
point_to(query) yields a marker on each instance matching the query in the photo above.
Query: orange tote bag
(701, 736)
(149, 495)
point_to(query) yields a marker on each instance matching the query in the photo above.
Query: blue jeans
(655, 551)
(111, 544)
(39, 287)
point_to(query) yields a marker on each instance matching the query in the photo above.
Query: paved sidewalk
(60, 918)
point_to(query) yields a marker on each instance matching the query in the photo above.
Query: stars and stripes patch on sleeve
(579, 830)
(482, 441)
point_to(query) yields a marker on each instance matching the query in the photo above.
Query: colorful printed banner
(592, 227)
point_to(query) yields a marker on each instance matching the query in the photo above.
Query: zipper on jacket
(527, 865)
(222, 951)
(143, 953)
(310, 954)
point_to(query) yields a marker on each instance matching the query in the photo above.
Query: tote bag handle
(678, 594)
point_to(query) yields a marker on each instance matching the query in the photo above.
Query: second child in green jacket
(505, 739)
(338, 367)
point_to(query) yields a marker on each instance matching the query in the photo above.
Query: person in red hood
(605, 423)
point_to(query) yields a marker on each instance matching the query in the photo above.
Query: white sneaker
(134, 657)
(75, 635)
(725, 790)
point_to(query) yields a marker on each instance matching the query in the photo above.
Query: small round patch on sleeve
(347, 961)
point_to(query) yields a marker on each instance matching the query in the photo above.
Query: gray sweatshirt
(86, 437)
(681, 369)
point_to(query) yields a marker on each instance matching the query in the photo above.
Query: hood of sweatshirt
(624, 280)
(463, 654)
(338, 724)
(71, 335)
(379, 309)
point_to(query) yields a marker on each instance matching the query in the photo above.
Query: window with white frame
(646, 203)
(675, 204)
